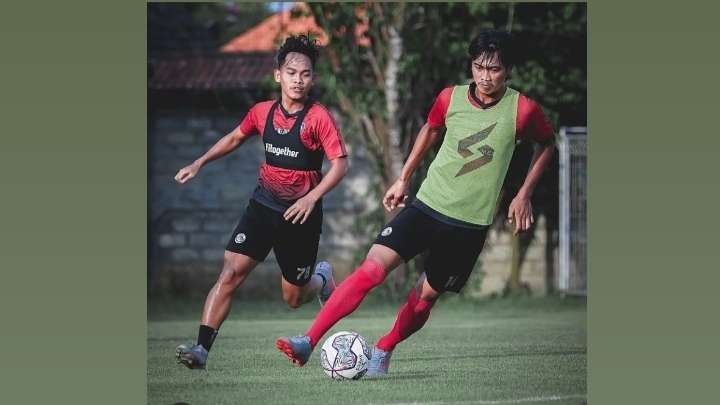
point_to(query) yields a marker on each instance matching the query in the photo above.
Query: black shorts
(261, 229)
(453, 250)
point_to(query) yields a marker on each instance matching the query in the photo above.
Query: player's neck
(489, 98)
(293, 106)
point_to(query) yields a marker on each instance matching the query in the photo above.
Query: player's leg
(412, 315)
(399, 241)
(452, 257)
(296, 252)
(320, 285)
(249, 244)
(379, 262)
(344, 300)
(410, 318)
(236, 267)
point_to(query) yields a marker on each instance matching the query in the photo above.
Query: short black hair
(301, 44)
(489, 42)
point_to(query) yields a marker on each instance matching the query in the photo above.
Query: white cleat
(379, 363)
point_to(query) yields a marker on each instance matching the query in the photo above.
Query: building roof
(235, 71)
(264, 37)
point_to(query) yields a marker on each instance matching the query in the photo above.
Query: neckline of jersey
(289, 114)
(476, 102)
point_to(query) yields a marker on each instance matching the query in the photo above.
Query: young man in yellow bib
(456, 202)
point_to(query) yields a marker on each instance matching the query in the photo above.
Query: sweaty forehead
(297, 61)
(488, 59)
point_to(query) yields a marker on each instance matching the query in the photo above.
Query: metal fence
(572, 275)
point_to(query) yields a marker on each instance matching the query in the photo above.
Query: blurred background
(381, 67)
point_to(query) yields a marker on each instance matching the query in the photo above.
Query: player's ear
(277, 75)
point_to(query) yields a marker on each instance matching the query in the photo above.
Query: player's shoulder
(320, 109)
(319, 112)
(261, 109)
(525, 102)
(445, 94)
(448, 90)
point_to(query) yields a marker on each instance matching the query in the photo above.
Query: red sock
(411, 317)
(346, 298)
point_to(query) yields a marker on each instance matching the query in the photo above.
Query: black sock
(206, 336)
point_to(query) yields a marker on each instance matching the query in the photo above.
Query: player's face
(489, 74)
(295, 76)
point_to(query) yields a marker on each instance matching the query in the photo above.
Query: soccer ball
(345, 356)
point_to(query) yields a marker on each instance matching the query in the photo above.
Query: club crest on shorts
(240, 238)
(387, 231)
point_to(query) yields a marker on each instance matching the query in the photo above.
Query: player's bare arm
(225, 145)
(303, 207)
(397, 193)
(520, 210)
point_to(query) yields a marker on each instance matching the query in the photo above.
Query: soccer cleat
(296, 348)
(192, 356)
(379, 363)
(324, 269)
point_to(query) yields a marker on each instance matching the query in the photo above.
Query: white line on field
(496, 401)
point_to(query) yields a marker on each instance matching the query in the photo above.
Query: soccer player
(455, 204)
(285, 211)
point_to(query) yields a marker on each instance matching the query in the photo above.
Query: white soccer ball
(345, 356)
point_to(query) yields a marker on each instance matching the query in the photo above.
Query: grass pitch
(517, 351)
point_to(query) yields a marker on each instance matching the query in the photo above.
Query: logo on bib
(240, 238)
(387, 231)
(286, 151)
(486, 151)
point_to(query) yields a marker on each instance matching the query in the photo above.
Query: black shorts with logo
(262, 228)
(452, 250)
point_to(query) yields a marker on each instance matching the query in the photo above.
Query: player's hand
(396, 195)
(187, 172)
(520, 214)
(301, 210)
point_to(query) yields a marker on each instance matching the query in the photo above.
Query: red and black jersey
(294, 145)
(531, 122)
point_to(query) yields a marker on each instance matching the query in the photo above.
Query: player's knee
(372, 271)
(430, 296)
(227, 277)
(231, 275)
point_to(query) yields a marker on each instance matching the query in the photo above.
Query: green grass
(526, 351)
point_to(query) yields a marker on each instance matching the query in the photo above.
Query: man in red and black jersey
(285, 211)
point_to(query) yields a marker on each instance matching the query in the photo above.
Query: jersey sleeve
(249, 126)
(436, 117)
(329, 136)
(532, 123)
